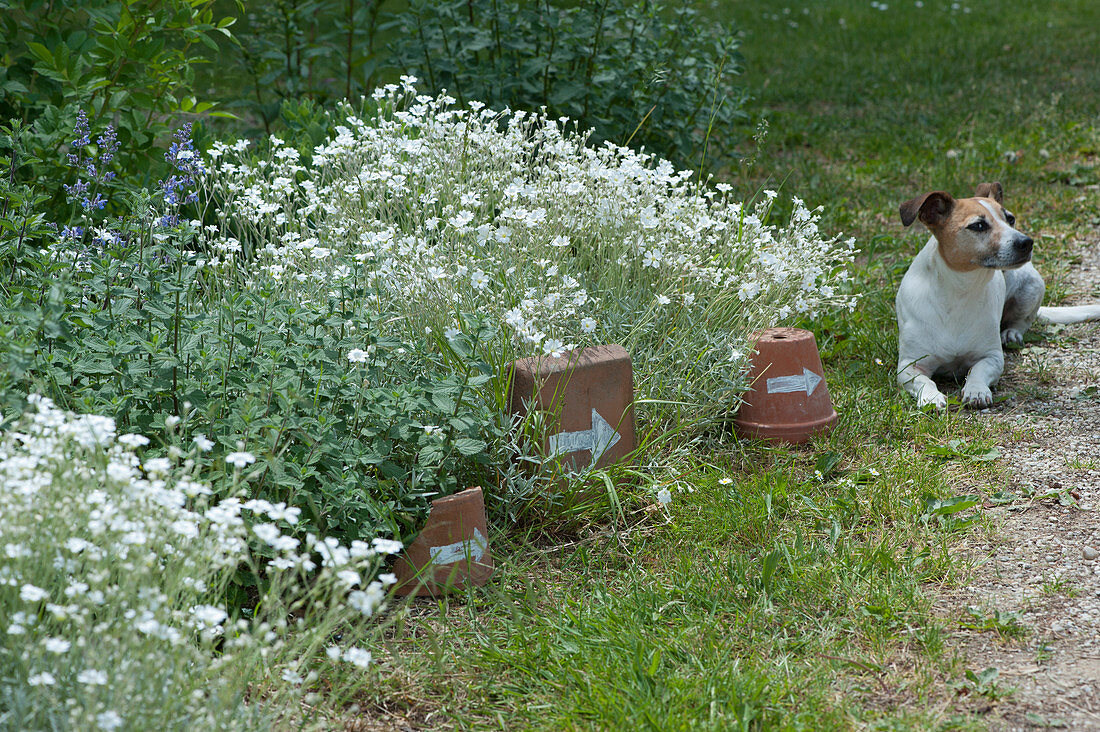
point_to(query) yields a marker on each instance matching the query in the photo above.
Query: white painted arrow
(807, 381)
(599, 439)
(451, 553)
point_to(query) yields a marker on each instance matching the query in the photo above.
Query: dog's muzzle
(1022, 248)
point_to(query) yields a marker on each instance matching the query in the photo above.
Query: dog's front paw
(1011, 335)
(932, 397)
(977, 396)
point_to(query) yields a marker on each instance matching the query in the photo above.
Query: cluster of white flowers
(426, 209)
(110, 566)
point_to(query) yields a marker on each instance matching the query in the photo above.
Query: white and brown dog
(970, 289)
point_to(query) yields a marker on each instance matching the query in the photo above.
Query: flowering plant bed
(425, 210)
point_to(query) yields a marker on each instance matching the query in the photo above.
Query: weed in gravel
(1005, 623)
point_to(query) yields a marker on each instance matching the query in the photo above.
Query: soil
(1031, 606)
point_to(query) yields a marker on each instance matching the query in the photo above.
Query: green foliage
(127, 319)
(321, 50)
(632, 71)
(129, 63)
(1005, 623)
(960, 449)
(639, 72)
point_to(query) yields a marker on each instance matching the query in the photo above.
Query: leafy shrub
(425, 209)
(659, 77)
(126, 316)
(112, 579)
(632, 71)
(129, 63)
(321, 51)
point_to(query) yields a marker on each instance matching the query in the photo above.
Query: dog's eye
(1010, 219)
(979, 225)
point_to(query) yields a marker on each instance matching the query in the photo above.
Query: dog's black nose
(1024, 245)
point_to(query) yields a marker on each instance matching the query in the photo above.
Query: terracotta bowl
(789, 399)
(451, 552)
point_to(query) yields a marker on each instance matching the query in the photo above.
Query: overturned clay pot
(451, 552)
(789, 400)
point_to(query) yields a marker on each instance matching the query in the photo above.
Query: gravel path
(1040, 568)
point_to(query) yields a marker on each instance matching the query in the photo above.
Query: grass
(784, 600)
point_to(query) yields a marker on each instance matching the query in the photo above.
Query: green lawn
(795, 594)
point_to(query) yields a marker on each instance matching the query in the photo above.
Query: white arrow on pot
(600, 438)
(807, 381)
(451, 553)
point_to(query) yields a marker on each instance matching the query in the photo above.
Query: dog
(969, 291)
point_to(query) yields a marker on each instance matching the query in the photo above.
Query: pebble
(1089, 553)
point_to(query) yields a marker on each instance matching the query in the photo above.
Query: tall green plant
(658, 77)
(293, 50)
(643, 73)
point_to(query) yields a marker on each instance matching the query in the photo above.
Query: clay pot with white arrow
(789, 399)
(451, 552)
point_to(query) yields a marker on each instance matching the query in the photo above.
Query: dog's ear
(992, 190)
(932, 208)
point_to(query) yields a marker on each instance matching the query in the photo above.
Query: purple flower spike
(82, 131)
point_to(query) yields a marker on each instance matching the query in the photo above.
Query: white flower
(560, 241)
(357, 355)
(293, 677)
(367, 601)
(349, 577)
(30, 593)
(267, 533)
(663, 300)
(479, 280)
(208, 615)
(131, 440)
(725, 481)
(361, 550)
(158, 466)
(358, 657)
(553, 348)
(45, 678)
(202, 442)
(664, 496)
(240, 459)
(171, 421)
(92, 677)
(386, 546)
(56, 645)
(282, 512)
(109, 720)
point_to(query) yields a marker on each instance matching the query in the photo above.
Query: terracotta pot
(451, 552)
(589, 394)
(789, 399)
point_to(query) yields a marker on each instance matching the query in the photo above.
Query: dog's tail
(1069, 314)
